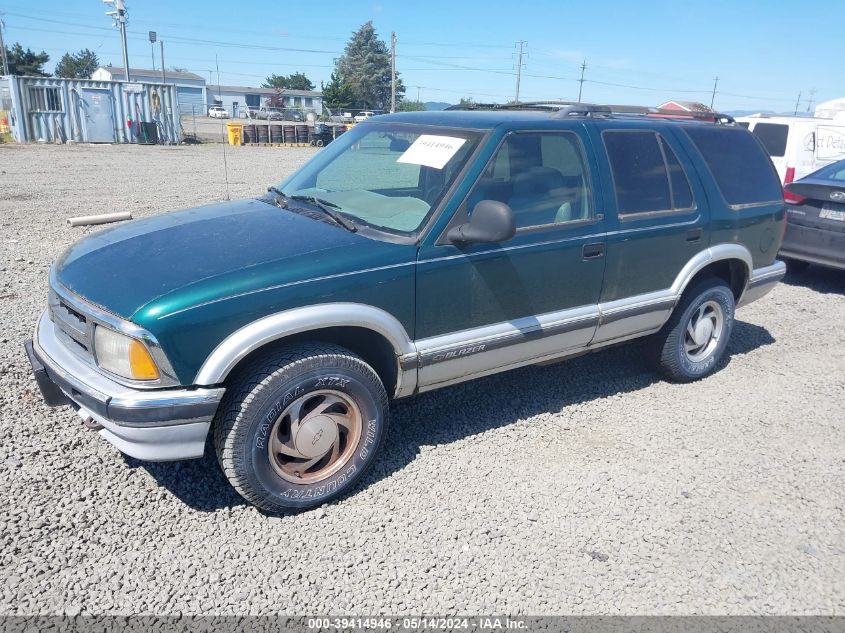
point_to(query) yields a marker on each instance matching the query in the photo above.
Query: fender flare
(255, 335)
(719, 252)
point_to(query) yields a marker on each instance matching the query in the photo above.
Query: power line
(427, 59)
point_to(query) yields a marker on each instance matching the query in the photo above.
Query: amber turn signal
(141, 363)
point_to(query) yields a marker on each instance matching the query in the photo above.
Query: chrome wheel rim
(704, 331)
(314, 436)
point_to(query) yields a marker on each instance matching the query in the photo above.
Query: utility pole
(797, 103)
(119, 15)
(521, 45)
(581, 81)
(163, 77)
(393, 71)
(810, 102)
(713, 96)
(3, 48)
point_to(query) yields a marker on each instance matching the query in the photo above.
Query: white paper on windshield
(432, 151)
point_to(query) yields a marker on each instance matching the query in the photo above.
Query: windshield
(389, 176)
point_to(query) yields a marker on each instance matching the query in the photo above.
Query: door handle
(693, 235)
(592, 251)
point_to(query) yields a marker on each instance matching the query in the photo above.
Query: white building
(236, 98)
(190, 88)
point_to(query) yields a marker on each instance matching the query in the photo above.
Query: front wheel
(693, 341)
(300, 426)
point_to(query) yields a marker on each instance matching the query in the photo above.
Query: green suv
(418, 250)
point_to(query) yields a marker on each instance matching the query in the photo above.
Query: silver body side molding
(271, 328)
(762, 280)
(455, 357)
(458, 356)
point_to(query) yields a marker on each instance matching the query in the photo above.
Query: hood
(202, 254)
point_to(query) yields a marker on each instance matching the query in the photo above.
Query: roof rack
(552, 106)
(563, 109)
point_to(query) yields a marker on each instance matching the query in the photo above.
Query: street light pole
(393, 72)
(119, 15)
(153, 48)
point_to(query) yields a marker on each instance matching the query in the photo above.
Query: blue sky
(764, 52)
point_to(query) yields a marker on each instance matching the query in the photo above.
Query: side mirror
(399, 144)
(491, 222)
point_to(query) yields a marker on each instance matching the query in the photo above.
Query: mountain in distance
(436, 105)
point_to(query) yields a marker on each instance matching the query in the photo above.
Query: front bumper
(153, 425)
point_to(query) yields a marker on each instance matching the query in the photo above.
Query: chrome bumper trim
(113, 402)
(762, 281)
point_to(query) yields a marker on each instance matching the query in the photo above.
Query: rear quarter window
(647, 176)
(773, 136)
(743, 171)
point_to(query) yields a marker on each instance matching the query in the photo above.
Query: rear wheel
(692, 343)
(300, 426)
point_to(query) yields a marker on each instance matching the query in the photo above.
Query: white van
(798, 145)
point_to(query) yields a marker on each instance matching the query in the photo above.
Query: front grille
(73, 328)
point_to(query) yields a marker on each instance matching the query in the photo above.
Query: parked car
(423, 250)
(321, 135)
(265, 113)
(250, 112)
(798, 145)
(363, 116)
(815, 219)
(218, 112)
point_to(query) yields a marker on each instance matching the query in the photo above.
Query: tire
(300, 426)
(797, 265)
(679, 350)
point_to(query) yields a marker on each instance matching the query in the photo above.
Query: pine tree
(79, 65)
(337, 94)
(26, 63)
(294, 81)
(365, 65)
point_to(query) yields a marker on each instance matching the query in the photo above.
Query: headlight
(123, 355)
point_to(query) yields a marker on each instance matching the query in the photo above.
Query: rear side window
(773, 137)
(647, 175)
(739, 164)
(681, 194)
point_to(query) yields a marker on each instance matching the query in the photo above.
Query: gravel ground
(590, 486)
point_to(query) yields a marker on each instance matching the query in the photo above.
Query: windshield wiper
(326, 207)
(281, 197)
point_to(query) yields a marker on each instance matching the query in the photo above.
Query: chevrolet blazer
(417, 251)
